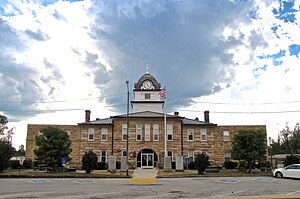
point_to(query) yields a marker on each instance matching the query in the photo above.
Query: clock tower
(146, 95)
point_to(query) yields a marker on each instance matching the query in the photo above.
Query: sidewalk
(144, 176)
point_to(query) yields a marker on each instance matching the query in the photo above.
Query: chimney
(87, 115)
(206, 116)
(176, 113)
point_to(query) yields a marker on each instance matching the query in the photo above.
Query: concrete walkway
(144, 176)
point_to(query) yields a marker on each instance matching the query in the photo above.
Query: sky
(239, 59)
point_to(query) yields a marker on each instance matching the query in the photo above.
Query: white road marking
(293, 192)
(154, 196)
(24, 194)
(89, 195)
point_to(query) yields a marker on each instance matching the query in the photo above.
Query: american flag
(162, 93)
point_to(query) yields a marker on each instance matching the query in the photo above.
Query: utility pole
(127, 136)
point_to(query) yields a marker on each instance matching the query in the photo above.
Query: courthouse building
(146, 133)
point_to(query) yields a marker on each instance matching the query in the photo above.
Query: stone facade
(146, 143)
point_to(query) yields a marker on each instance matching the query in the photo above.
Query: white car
(291, 171)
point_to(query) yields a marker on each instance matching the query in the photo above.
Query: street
(165, 188)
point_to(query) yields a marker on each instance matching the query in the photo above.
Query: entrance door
(147, 160)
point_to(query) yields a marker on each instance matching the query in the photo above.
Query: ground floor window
(227, 156)
(191, 155)
(103, 156)
(170, 154)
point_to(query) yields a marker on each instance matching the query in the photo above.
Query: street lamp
(127, 136)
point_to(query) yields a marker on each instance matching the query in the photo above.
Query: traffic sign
(63, 161)
(187, 160)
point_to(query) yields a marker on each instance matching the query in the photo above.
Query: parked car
(291, 171)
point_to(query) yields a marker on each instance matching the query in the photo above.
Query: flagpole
(165, 122)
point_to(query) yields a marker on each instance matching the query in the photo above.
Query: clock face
(147, 84)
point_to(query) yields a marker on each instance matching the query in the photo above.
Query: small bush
(102, 165)
(230, 165)
(15, 164)
(201, 162)
(89, 161)
(27, 163)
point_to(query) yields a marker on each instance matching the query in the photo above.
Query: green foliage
(89, 161)
(291, 159)
(288, 141)
(15, 164)
(201, 162)
(249, 145)
(230, 165)
(27, 163)
(6, 152)
(52, 145)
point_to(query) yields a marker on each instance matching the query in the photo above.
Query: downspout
(181, 139)
(112, 138)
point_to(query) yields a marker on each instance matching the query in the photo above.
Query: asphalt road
(165, 188)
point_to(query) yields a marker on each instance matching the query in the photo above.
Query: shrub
(230, 165)
(201, 162)
(15, 164)
(27, 163)
(89, 161)
(102, 165)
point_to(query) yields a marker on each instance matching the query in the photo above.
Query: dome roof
(149, 77)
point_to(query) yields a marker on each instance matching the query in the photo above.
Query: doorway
(146, 159)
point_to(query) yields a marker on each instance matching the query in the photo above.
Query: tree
(249, 145)
(201, 162)
(89, 161)
(6, 150)
(52, 145)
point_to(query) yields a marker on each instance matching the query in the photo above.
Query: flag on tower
(162, 93)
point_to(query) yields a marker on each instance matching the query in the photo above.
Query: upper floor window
(124, 132)
(155, 132)
(226, 136)
(147, 132)
(147, 96)
(90, 134)
(190, 134)
(138, 132)
(169, 132)
(104, 134)
(203, 135)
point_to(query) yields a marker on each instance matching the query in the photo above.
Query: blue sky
(238, 59)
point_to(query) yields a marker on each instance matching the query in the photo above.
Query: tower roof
(149, 77)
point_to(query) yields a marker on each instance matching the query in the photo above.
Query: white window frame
(203, 132)
(104, 133)
(138, 132)
(69, 133)
(190, 132)
(155, 132)
(91, 131)
(191, 154)
(40, 133)
(124, 132)
(169, 132)
(147, 132)
(170, 155)
(122, 153)
(101, 155)
(227, 155)
(226, 136)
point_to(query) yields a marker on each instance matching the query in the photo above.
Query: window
(124, 132)
(104, 134)
(204, 151)
(203, 135)
(191, 155)
(227, 156)
(103, 156)
(40, 133)
(169, 132)
(147, 132)
(90, 134)
(155, 132)
(124, 153)
(170, 154)
(138, 131)
(68, 132)
(190, 134)
(147, 96)
(226, 136)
